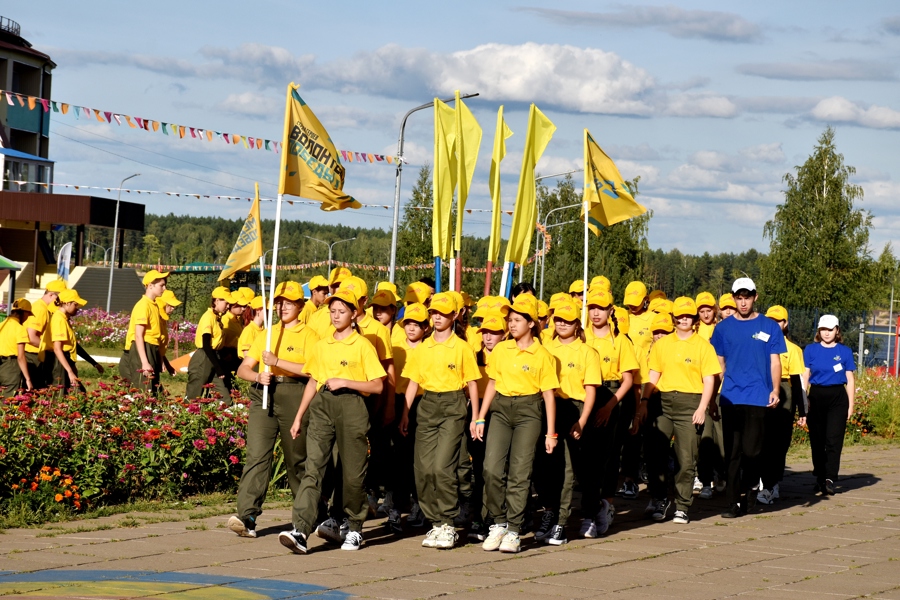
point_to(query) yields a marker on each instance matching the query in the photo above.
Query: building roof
(23, 155)
(70, 209)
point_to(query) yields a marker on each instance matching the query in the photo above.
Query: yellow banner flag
(310, 164)
(608, 199)
(540, 130)
(500, 135)
(468, 143)
(444, 177)
(248, 247)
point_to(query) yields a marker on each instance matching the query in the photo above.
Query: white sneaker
(697, 484)
(765, 497)
(353, 541)
(588, 529)
(681, 517)
(331, 531)
(776, 492)
(495, 536)
(706, 493)
(510, 542)
(446, 537)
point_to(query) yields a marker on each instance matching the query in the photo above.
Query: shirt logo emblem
(451, 366)
(837, 357)
(526, 368)
(606, 359)
(687, 361)
(571, 365)
(290, 348)
(343, 363)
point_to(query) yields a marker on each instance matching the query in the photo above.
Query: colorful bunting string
(299, 267)
(180, 131)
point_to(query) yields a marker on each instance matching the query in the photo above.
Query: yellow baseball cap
(705, 299)
(246, 293)
(290, 290)
(623, 319)
(346, 295)
(71, 296)
(577, 287)
(727, 301)
(601, 282)
(457, 297)
(567, 312)
(779, 313)
(168, 297)
(662, 322)
(387, 286)
(601, 298)
(239, 299)
(443, 303)
(222, 293)
(417, 292)
(57, 285)
(152, 276)
(256, 303)
(317, 281)
(635, 292)
(500, 303)
(415, 312)
(526, 304)
(338, 275)
(482, 311)
(558, 299)
(661, 305)
(543, 309)
(355, 285)
(684, 306)
(467, 299)
(658, 294)
(494, 321)
(384, 298)
(22, 304)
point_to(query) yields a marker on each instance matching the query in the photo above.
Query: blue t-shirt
(828, 366)
(747, 347)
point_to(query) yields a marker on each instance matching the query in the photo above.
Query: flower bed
(97, 328)
(113, 445)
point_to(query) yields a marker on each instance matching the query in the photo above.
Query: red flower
(233, 459)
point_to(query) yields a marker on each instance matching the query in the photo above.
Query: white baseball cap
(828, 322)
(744, 283)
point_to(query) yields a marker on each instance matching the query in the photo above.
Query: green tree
(819, 254)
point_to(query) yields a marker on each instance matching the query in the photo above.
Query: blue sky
(711, 103)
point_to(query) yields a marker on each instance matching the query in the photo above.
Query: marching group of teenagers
(482, 416)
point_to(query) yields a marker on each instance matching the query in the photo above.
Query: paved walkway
(845, 546)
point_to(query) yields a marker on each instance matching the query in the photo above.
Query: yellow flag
(444, 177)
(310, 164)
(248, 247)
(468, 143)
(608, 199)
(540, 130)
(500, 136)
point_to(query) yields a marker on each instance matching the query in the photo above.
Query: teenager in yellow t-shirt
(283, 370)
(614, 408)
(444, 367)
(523, 373)
(256, 325)
(39, 348)
(141, 361)
(65, 346)
(683, 367)
(204, 367)
(167, 303)
(344, 369)
(706, 310)
(232, 326)
(578, 370)
(14, 372)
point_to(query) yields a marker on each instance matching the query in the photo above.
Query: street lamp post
(105, 250)
(262, 275)
(393, 267)
(112, 263)
(330, 246)
(543, 258)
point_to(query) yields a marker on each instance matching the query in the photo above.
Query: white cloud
(841, 110)
(823, 70)
(767, 153)
(700, 105)
(252, 105)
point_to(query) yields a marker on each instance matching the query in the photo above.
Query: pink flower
(199, 444)
(64, 435)
(194, 408)
(233, 459)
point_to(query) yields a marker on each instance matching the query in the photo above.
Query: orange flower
(67, 494)
(34, 487)
(77, 496)
(68, 481)
(77, 504)
(45, 469)
(58, 497)
(15, 486)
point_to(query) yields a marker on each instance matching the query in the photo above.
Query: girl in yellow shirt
(14, 374)
(578, 369)
(204, 367)
(522, 373)
(618, 363)
(344, 369)
(444, 366)
(65, 346)
(256, 326)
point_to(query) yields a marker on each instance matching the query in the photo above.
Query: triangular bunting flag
(389, 159)
(31, 102)
(99, 116)
(55, 107)
(225, 137)
(181, 131)
(165, 131)
(244, 139)
(267, 147)
(258, 143)
(87, 112)
(77, 112)
(235, 138)
(118, 118)
(155, 125)
(252, 141)
(9, 99)
(193, 133)
(370, 157)
(209, 135)
(130, 124)
(140, 122)
(46, 104)
(108, 117)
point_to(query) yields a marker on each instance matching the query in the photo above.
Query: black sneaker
(243, 527)
(733, 512)
(557, 536)
(527, 523)
(293, 540)
(829, 487)
(750, 504)
(478, 531)
(660, 513)
(630, 490)
(393, 522)
(621, 491)
(543, 530)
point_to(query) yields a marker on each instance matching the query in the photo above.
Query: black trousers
(744, 431)
(827, 421)
(779, 432)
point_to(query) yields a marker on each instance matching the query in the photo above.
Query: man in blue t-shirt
(749, 347)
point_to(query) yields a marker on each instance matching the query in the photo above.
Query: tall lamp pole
(112, 263)
(330, 246)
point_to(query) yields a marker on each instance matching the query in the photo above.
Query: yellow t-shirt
(12, 333)
(320, 321)
(483, 380)
(402, 350)
(442, 366)
(39, 321)
(639, 330)
(375, 332)
(209, 323)
(683, 363)
(577, 365)
(792, 361)
(232, 327)
(61, 331)
(146, 313)
(705, 331)
(350, 358)
(248, 335)
(616, 356)
(473, 336)
(292, 344)
(522, 372)
(643, 373)
(308, 309)
(398, 334)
